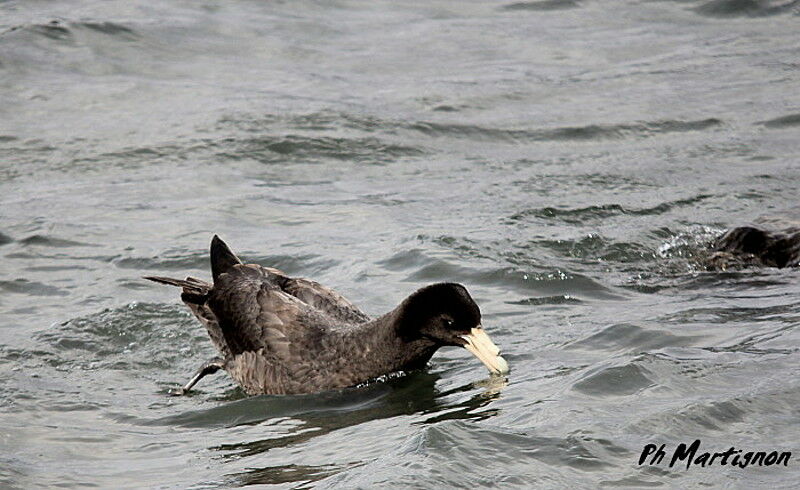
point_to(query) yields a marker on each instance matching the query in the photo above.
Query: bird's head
(446, 314)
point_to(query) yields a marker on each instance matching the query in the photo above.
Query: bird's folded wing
(324, 299)
(254, 312)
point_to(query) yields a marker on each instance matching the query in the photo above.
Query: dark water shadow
(745, 8)
(787, 121)
(604, 212)
(592, 132)
(300, 476)
(543, 5)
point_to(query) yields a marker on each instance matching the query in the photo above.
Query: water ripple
(576, 133)
(748, 8)
(542, 5)
(787, 121)
(600, 212)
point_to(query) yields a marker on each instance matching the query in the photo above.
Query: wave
(746, 8)
(543, 282)
(568, 133)
(457, 454)
(543, 5)
(31, 288)
(624, 380)
(332, 121)
(595, 247)
(624, 337)
(603, 211)
(273, 149)
(787, 121)
(64, 31)
(51, 241)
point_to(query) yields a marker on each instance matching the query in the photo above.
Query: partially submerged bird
(281, 335)
(756, 246)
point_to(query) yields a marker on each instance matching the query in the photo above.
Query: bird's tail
(222, 258)
(194, 290)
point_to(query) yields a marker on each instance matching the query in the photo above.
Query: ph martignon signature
(692, 456)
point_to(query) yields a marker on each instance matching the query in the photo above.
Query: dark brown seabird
(281, 335)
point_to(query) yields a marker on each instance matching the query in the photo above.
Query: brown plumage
(279, 335)
(757, 246)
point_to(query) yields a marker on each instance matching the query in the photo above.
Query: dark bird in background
(282, 335)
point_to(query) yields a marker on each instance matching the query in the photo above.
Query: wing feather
(324, 299)
(255, 312)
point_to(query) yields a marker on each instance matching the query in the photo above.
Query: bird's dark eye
(449, 323)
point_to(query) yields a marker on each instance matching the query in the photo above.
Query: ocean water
(567, 161)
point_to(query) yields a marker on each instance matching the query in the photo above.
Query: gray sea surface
(567, 161)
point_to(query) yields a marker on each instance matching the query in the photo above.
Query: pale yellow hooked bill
(484, 349)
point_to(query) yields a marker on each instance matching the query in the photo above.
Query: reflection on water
(298, 475)
(295, 420)
(311, 416)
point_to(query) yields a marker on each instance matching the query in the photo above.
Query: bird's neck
(378, 348)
